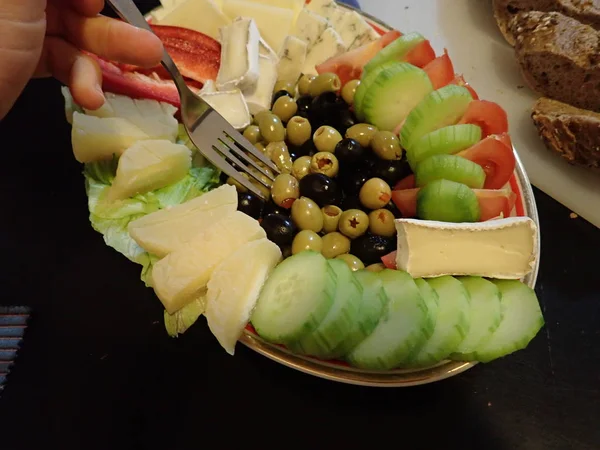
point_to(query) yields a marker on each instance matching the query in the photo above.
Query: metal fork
(215, 138)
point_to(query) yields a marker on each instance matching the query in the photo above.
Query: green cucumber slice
(440, 108)
(403, 326)
(372, 306)
(486, 315)
(521, 321)
(393, 94)
(340, 319)
(447, 201)
(365, 82)
(451, 326)
(450, 167)
(447, 140)
(395, 51)
(431, 299)
(295, 299)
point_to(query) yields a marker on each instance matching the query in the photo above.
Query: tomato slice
(389, 260)
(488, 115)
(459, 80)
(349, 66)
(406, 201)
(440, 71)
(495, 157)
(421, 55)
(406, 183)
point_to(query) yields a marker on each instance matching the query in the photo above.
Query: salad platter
(399, 245)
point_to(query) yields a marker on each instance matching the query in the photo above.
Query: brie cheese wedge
(239, 55)
(265, 49)
(232, 106)
(204, 16)
(291, 59)
(504, 248)
(258, 98)
(328, 45)
(309, 26)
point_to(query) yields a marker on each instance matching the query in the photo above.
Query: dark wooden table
(97, 370)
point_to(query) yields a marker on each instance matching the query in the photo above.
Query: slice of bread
(559, 57)
(572, 132)
(585, 11)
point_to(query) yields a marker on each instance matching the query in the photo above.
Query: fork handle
(130, 13)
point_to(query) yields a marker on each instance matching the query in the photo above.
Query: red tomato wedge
(440, 71)
(492, 202)
(421, 55)
(389, 260)
(349, 66)
(489, 116)
(406, 183)
(495, 155)
(459, 80)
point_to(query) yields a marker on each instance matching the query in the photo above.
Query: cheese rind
(505, 248)
(291, 59)
(239, 55)
(259, 96)
(231, 105)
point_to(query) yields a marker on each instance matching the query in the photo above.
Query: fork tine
(245, 144)
(234, 151)
(225, 151)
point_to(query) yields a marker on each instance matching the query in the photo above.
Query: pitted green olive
(386, 145)
(353, 223)
(326, 138)
(301, 167)
(271, 128)
(285, 85)
(304, 84)
(325, 163)
(353, 262)
(349, 90)
(307, 215)
(377, 267)
(362, 133)
(381, 222)
(279, 154)
(331, 218)
(307, 240)
(285, 190)
(335, 244)
(298, 130)
(285, 108)
(252, 133)
(375, 193)
(326, 82)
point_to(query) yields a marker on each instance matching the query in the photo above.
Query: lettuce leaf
(178, 322)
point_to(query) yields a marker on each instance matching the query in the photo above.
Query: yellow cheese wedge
(170, 229)
(182, 275)
(504, 248)
(204, 16)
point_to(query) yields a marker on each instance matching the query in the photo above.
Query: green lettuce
(178, 322)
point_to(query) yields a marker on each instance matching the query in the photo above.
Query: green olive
(377, 267)
(326, 82)
(259, 114)
(307, 215)
(362, 133)
(381, 222)
(285, 107)
(331, 218)
(285, 85)
(261, 147)
(285, 190)
(325, 163)
(335, 244)
(353, 262)
(298, 130)
(237, 185)
(386, 145)
(375, 194)
(263, 176)
(271, 127)
(279, 154)
(307, 240)
(304, 84)
(354, 223)
(349, 90)
(301, 167)
(326, 138)
(252, 133)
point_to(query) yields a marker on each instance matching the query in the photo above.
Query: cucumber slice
(486, 315)
(393, 94)
(450, 167)
(447, 140)
(439, 109)
(395, 51)
(363, 87)
(431, 299)
(340, 319)
(447, 201)
(372, 306)
(452, 324)
(521, 321)
(403, 327)
(295, 299)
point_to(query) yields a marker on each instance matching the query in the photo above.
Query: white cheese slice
(208, 88)
(273, 23)
(265, 49)
(328, 45)
(355, 30)
(291, 59)
(239, 55)
(259, 96)
(204, 16)
(231, 105)
(294, 5)
(309, 26)
(504, 248)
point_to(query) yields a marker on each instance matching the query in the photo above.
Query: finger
(70, 66)
(89, 8)
(113, 39)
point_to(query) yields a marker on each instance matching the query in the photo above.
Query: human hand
(41, 38)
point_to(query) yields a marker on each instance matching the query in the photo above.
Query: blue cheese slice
(260, 95)
(291, 59)
(239, 55)
(325, 8)
(231, 105)
(355, 30)
(328, 45)
(309, 26)
(504, 248)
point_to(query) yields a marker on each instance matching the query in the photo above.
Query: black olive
(280, 229)
(250, 204)
(278, 94)
(351, 202)
(352, 179)
(349, 151)
(391, 171)
(272, 208)
(391, 206)
(306, 149)
(370, 248)
(344, 121)
(303, 104)
(321, 189)
(324, 110)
